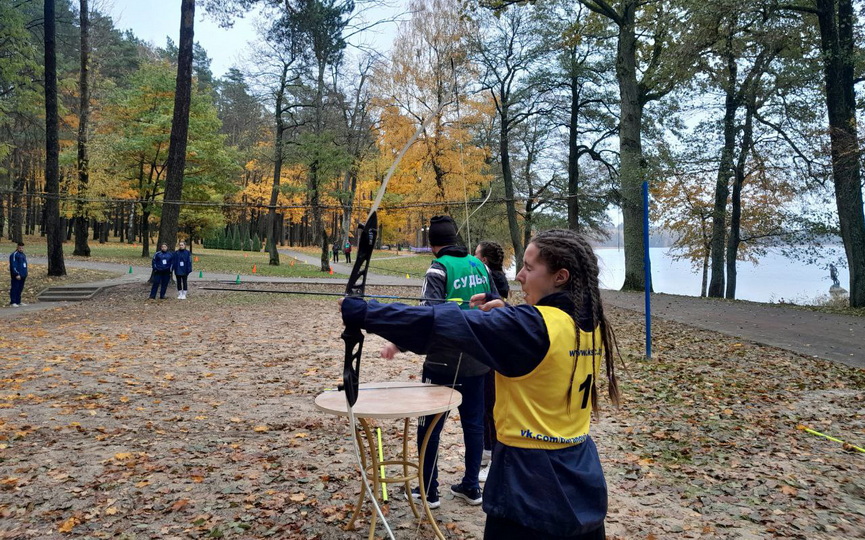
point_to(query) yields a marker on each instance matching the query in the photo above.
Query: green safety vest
(466, 276)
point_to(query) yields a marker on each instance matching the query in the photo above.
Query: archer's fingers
(478, 299)
(497, 303)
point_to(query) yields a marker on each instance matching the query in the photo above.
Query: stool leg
(405, 472)
(376, 484)
(350, 525)
(426, 507)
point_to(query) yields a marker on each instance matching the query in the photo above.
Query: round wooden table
(393, 401)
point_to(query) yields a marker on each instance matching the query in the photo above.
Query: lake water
(774, 279)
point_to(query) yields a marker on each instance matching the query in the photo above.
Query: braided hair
(563, 248)
(494, 254)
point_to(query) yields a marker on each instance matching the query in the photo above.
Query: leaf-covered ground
(123, 418)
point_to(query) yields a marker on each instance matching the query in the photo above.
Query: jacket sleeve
(434, 289)
(512, 340)
(153, 264)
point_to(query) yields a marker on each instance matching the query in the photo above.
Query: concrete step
(67, 294)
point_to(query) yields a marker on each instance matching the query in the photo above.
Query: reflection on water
(774, 279)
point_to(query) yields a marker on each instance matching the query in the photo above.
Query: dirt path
(829, 336)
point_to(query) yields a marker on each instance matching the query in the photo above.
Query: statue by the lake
(833, 275)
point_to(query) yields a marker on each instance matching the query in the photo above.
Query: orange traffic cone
(195, 259)
(331, 270)
(292, 263)
(253, 269)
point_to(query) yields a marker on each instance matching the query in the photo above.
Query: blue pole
(647, 263)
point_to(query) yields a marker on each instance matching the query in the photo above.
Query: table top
(397, 399)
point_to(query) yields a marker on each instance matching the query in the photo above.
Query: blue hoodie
(162, 261)
(18, 264)
(182, 262)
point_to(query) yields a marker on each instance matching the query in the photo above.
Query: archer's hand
(389, 351)
(480, 301)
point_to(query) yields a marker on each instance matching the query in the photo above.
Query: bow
(353, 336)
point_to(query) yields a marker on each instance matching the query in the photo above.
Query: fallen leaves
(222, 439)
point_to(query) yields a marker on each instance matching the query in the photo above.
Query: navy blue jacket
(18, 264)
(182, 262)
(162, 262)
(559, 492)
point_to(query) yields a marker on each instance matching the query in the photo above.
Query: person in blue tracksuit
(162, 266)
(182, 268)
(18, 272)
(546, 479)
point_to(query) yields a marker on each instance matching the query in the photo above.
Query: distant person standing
(18, 272)
(347, 252)
(182, 268)
(161, 265)
(335, 252)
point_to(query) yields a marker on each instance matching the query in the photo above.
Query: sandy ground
(126, 418)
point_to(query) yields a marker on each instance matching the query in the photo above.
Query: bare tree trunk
(272, 228)
(81, 247)
(632, 170)
(838, 44)
(54, 232)
(508, 177)
(722, 185)
(16, 213)
(179, 128)
(736, 200)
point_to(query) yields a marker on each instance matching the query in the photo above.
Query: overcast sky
(154, 20)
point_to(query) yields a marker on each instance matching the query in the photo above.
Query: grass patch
(209, 260)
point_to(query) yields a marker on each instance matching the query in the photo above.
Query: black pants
(348, 256)
(336, 256)
(505, 529)
(181, 281)
(160, 281)
(15, 290)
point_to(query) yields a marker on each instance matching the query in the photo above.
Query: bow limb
(353, 338)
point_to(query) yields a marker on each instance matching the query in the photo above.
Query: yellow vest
(532, 411)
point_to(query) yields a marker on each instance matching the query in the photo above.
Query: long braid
(562, 248)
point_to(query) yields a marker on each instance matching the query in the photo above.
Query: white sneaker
(180, 295)
(486, 457)
(482, 476)
(15, 305)
(184, 294)
(22, 304)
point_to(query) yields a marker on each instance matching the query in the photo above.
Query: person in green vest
(453, 275)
